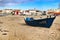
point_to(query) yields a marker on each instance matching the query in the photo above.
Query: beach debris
(1, 22)
(0, 30)
(5, 31)
(4, 34)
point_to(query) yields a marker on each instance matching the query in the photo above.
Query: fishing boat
(44, 22)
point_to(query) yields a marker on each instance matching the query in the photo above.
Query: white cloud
(15, 2)
(11, 2)
(44, 0)
(6, 2)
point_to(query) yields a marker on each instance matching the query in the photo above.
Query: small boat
(45, 22)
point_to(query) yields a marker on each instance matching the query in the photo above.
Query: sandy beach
(13, 27)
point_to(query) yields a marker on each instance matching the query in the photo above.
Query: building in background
(7, 11)
(32, 12)
(50, 11)
(17, 12)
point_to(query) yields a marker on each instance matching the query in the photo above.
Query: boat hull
(41, 22)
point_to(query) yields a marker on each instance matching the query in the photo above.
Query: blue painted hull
(47, 22)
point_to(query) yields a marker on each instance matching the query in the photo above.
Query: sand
(13, 27)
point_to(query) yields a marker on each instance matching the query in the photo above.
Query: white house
(32, 12)
(7, 10)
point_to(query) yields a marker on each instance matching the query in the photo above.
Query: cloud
(4, 3)
(12, 2)
(45, 0)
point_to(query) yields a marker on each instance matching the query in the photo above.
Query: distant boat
(46, 22)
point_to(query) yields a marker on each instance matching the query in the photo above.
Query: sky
(29, 4)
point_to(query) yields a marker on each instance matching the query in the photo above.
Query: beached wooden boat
(46, 22)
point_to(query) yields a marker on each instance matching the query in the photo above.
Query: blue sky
(29, 4)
